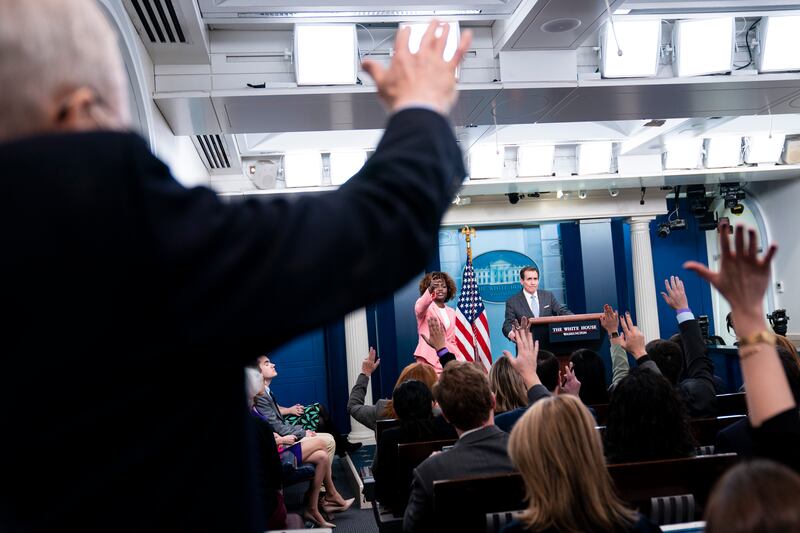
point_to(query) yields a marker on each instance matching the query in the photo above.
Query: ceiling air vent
(159, 20)
(213, 150)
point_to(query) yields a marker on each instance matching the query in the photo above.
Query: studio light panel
(703, 46)
(418, 30)
(535, 160)
(486, 161)
(723, 152)
(302, 169)
(779, 44)
(640, 42)
(684, 154)
(325, 54)
(594, 157)
(344, 164)
(764, 148)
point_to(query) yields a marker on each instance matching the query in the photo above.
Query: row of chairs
(727, 405)
(668, 491)
(677, 495)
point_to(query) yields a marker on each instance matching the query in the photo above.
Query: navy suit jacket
(144, 299)
(518, 306)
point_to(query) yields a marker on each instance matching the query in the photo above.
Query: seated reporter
(413, 403)
(312, 449)
(507, 386)
(267, 406)
(539, 370)
(567, 486)
(383, 409)
(467, 403)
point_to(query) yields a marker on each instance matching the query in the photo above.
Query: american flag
(472, 325)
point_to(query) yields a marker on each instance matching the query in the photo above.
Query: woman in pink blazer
(435, 289)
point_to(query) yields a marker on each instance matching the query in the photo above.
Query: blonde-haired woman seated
(568, 489)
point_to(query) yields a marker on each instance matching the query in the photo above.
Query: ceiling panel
(556, 24)
(322, 112)
(189, 115)
(673, 101)
(520, 106)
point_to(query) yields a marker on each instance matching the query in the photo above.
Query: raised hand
(742, 278)
(569, 383)
(370, 363)
(676, 294)
(632, 337)
(609, 320)
(527, 353)
(436, 338)
(421, 78)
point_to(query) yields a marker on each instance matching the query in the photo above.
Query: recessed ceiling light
(561, 25)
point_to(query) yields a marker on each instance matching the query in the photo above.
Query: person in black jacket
(112, 268)
(690, 370)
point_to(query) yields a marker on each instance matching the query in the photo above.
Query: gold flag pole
(469, 234)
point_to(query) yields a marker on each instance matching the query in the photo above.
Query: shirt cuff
(684, 315)
(643, 359)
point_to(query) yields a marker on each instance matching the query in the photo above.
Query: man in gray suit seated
(467, 403)
(531, 302)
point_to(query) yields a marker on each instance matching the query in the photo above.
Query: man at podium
(531, 302)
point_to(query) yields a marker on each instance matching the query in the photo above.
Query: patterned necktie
(535, 306)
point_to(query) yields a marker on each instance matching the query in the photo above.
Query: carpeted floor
(354, 520)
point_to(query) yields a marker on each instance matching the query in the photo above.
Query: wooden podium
(564, 334)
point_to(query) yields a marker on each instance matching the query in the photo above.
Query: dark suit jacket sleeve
(536, 393)
(698, 385)
(419, 512)
(269, 411)
(240, 276)
(447, 358)
(510, 316)
(557, 308)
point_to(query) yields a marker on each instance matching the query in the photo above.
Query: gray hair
(49, 48)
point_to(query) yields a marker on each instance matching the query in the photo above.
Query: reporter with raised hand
(695, 383)
(631, 340)
(525, 363)
(743, 279)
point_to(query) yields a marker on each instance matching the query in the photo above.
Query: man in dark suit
(531, 302)
(145, 299)
(466, 402)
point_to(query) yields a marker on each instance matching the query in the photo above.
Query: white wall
(780, 207)
(176, 151)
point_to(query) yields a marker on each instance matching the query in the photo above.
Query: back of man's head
(547, 367)
(51, 50)
(669, 358)
(464, 396)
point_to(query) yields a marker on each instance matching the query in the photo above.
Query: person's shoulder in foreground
(141, 284)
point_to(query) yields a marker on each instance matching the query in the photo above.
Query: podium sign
(584, 330)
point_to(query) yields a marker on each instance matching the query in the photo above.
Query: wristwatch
(613, 335)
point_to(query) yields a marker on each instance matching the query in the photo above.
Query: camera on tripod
(779, 321)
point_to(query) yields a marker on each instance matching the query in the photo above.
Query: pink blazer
(424, 308)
